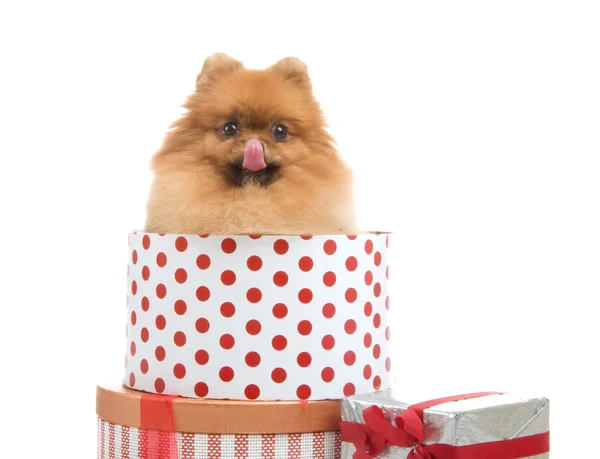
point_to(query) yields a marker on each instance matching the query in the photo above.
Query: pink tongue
(254, 157)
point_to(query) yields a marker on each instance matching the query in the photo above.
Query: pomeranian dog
(251, 155)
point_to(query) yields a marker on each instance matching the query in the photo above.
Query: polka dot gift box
(258, 317)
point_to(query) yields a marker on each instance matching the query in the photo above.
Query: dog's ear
(217, 64)
(293, 69)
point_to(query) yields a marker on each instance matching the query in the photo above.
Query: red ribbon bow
(376, 433)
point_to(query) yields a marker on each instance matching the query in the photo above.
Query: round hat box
(258, 317)
(134, 425)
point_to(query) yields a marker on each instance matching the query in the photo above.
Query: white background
(473, 128)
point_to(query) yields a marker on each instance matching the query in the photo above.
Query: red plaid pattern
(122, 442)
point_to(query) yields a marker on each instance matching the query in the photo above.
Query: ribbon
(156, 419)
(376, 433)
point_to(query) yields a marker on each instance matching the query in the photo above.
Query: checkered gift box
(135, 425)
(122, 442)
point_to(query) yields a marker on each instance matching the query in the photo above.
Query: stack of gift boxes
(258, 346)
(243, 346)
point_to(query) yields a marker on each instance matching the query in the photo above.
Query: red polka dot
(368, 340)
(377, 289)
(179, 338)
(305, 295)
(280, 310)
(161, 291)
(387, 302)
(351, 295)
(161, 259)
(254, 263)
(328, 311)
(228, 245)
(201, 389)
(351, 237)
(387, 333)
(327, 374)
(280, 278)
(376, 320)
(377, 258)
(227, 309)
(304, 359)
(145, 304)
(281, 246)
(131, 380)
(349, 358)
(279, 343)
(388, 364)
(369, 246)
(226, 374)
(204, 235)
(203, 261)
(329, 247)
(328, 342)
(228, 277)
(145, 273)
(180, 307)
(134, 287)
(368, 278)
(349, 389)
(203, 293)
(367, 372)
(159, 385)
(305, 264)
(278, 375)
(387, 272)
(133, 318)
(351, 263)
(253, 327)
(306, 237)
(134, 257)
(376, 383)
(227, 341)
(252, 359)
(145, 334)
(181, 244)
(255, 236)
(161, 322)
(144, 366)
(160, 353)
(368, 309)
(329, 279)
(254, 295)
(201, 357)
(303, 392)
(376, 351)
(252, 392)
(181, 275)
(132, 348)
(146, 242)
(179, 371)
(202, 325)
(350, 326)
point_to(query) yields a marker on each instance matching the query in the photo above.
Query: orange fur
(313, 190)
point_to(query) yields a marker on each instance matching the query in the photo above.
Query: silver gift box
(465, 422)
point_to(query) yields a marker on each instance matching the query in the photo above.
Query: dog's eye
(279, 132)
(230, 129)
